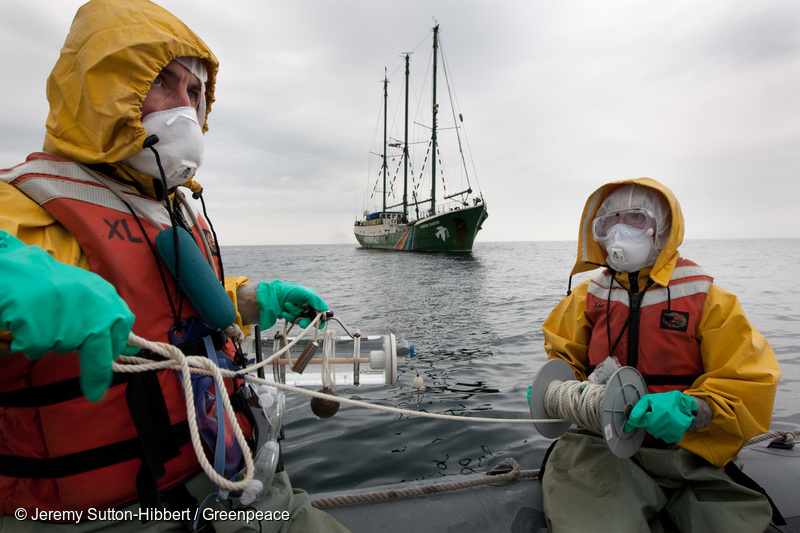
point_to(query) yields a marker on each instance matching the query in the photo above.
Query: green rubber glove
(287, 301)
(666, 415)
(53, 307)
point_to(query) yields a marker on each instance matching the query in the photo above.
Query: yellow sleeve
(32, 224)
(567, 331)
(232, 283)
(740, 380)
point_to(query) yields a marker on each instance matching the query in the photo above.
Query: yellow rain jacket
(741, 372)
(96, 90)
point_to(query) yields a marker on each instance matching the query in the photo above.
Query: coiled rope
(577, 401)
(581, 402)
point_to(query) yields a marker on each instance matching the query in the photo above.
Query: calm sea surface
(475, 320)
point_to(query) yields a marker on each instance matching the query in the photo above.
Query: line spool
(625, 387)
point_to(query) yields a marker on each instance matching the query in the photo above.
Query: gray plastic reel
(623, 390)
(625, 387)
(554, 369)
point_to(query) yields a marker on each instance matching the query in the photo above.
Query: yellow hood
(112, 54)
(591, 255)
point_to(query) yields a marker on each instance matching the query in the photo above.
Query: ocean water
(475, 321)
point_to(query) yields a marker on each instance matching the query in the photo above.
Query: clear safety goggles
(636, 220)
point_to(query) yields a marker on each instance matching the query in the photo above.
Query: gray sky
(558, 98)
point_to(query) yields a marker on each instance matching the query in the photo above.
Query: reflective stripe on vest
(43, 180)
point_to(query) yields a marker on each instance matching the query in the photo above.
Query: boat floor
(517, 506)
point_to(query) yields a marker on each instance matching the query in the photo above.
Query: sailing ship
(421, 224)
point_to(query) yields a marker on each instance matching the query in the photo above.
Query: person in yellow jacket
(711, 377)
(129, 100)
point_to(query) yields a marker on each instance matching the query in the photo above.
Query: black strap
(85, 461)
(746, 481)
(667, 379)
(546, 457)
(148, 411)
(180, 499)
(44, 395)
(198, 347)
(150, 416)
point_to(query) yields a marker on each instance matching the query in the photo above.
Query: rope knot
(508, 467)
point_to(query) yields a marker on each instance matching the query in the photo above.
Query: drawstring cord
(198, 194)
(177, 220)
(148, 143)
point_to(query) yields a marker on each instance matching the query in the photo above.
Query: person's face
(174, 87)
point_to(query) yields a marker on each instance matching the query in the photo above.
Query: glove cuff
(269, 308)
(688, 405)
(704, 415)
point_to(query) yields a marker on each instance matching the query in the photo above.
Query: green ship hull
(451, 231)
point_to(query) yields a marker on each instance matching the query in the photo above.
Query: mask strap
(148, 143)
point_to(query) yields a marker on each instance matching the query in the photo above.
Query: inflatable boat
(509, 499)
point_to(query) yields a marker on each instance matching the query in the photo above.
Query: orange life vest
(59, 451)
(655, 330)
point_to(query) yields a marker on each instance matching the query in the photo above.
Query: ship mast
(385, 143)
(405, 149)
(434, 146)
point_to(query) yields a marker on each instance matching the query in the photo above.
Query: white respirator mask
(180, 145)
(628, 249)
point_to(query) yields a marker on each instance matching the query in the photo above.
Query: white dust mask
(628, 249)
(180, 145)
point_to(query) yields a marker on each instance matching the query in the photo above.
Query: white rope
(176, 360)
(574, 401)
(186, 365)
(328, 353)
(137, 364)
(577, 401)
(285, 350)
(393, 410)
(788, 435)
